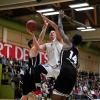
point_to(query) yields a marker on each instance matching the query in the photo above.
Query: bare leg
(56, 97)
(64, 98)
(24, 97)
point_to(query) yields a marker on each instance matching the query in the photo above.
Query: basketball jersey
(53, 52)
(28, 78)
(70, 55)
(34, 61)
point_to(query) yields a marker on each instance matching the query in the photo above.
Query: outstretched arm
(35, 49)
(42, 34)
(55, 26)
(62, 33)
(35, 42)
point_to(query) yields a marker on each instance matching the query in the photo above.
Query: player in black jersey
(31, 76)
(69, 63)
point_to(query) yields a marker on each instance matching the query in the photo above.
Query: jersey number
(73, 57)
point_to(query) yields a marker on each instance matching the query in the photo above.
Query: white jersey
(53, 52)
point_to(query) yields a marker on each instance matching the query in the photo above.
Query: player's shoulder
(48, 43)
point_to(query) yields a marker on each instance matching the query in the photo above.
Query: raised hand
(61, 13)
(45, 23)
(44, 19)
(31, 33)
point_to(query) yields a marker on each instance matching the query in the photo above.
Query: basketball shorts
(52, 72)
(66, 79)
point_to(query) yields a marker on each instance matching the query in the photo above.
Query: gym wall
(89, 62)
(0, 33)
(18, 38)
(14, 37)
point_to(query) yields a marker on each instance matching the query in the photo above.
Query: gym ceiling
(22, 10)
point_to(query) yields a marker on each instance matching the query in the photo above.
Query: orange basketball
(31, 25)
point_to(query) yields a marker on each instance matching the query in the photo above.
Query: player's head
(52, 35)
(76, 39)
(30, 43)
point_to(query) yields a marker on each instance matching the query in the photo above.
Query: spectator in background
(11, 61)
(0, 60)
(4, 63)
(10, 70)
(4, 60)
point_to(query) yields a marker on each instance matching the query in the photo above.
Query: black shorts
(28, 83)
(37, 71)
(66, 79)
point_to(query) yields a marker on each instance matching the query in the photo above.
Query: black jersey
(32, 62)
(70, 55)
(29, 78)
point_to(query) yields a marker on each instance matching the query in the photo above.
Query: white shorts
(52, 72)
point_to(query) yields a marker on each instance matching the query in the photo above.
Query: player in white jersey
(53, 49)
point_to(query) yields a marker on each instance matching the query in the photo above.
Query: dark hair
(30, 42)
(76, 39)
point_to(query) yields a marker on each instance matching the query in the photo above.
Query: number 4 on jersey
(73, 57)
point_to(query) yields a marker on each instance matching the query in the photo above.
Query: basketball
(31, 25)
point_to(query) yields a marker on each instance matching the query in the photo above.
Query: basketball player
(69, 63)
(53, 49)
(28, 78)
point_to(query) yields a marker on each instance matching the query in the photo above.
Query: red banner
(43, 58)
(13, 51)
(18, 53)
